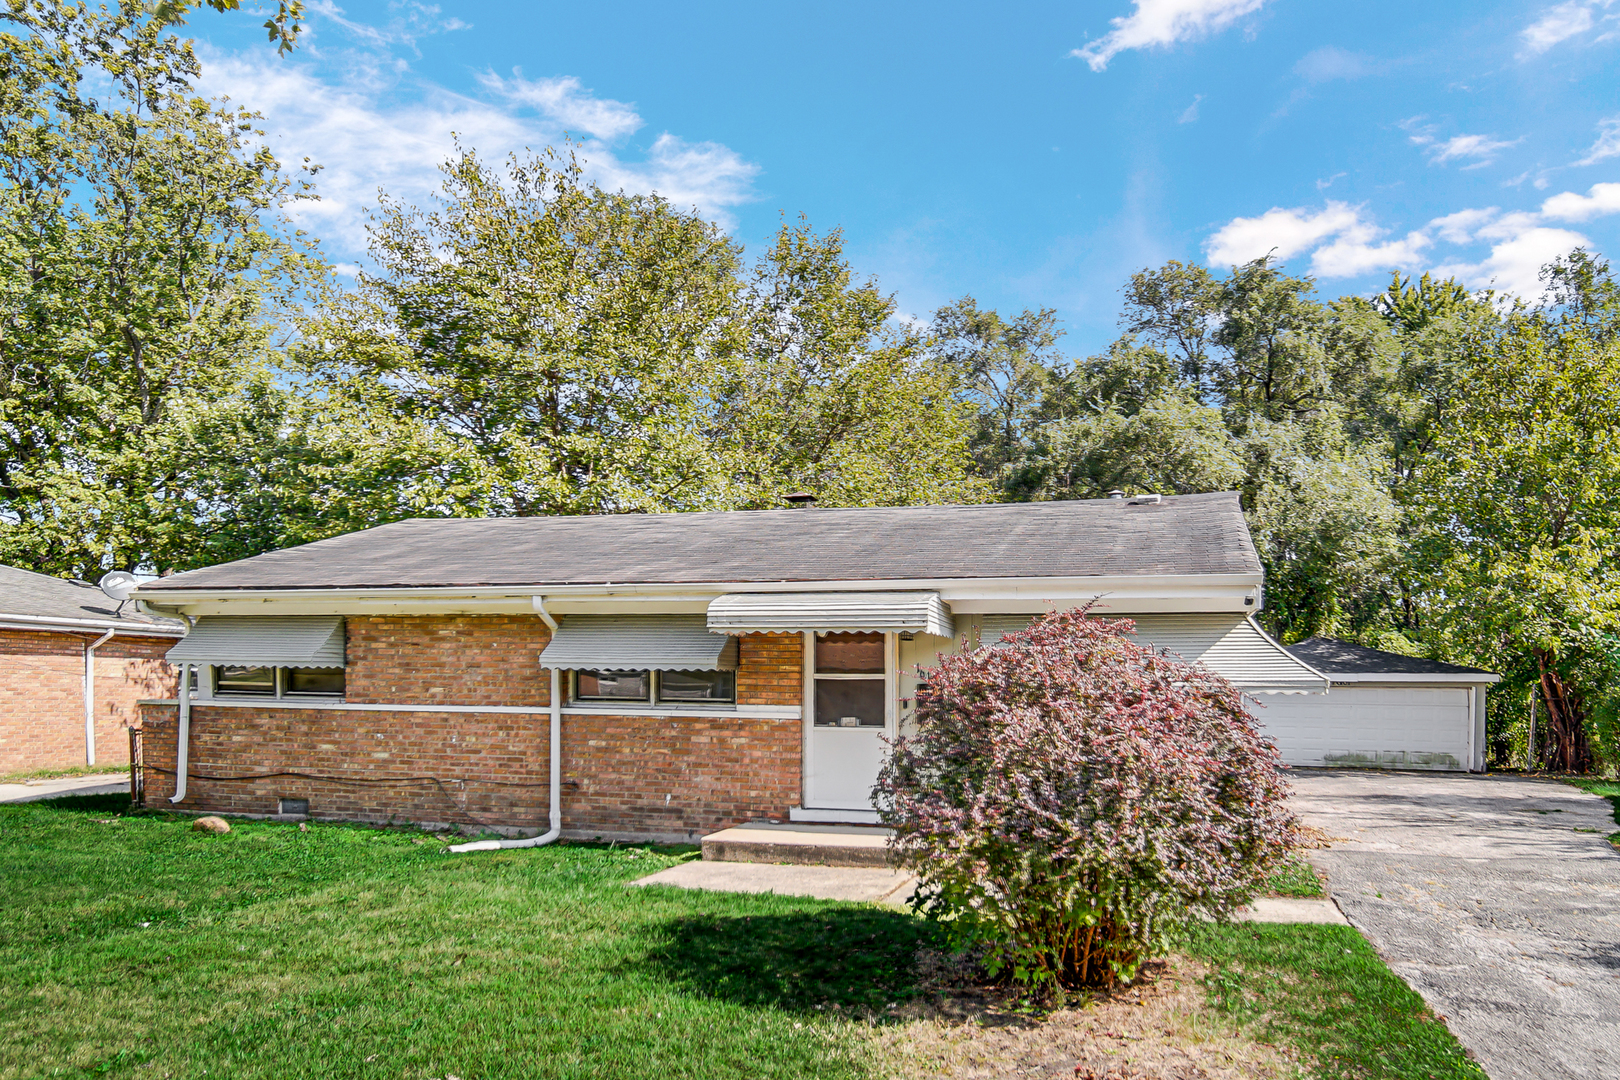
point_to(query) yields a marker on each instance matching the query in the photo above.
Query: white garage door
(1391, 727)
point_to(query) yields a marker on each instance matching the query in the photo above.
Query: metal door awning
(298, 641)
(638, 643)
(831, 612)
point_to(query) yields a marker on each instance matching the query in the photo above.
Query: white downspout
(182, 754)
(90, 696)
(556, 776)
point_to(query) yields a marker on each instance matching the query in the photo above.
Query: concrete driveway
(1496, 898)
(34, 790)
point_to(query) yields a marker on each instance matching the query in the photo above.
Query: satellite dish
(118, 584)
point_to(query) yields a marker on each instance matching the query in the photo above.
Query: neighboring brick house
(76, 663)
(692, 670)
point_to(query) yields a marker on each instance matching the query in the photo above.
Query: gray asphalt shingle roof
(1331, 656)
(1183, 534)
(39, 596)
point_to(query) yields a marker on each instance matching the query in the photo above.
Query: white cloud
(1164, 22)
(1282, 231)
(1481, 148)
(365, 141)
(1190, 114)
(1556, 24)
(408, 20)
(1287, 232)
(1354, 253)
(1514, 265)
(1331, 62)
(1602, 199)
(562, 100)
(1344, 242)
(1608, 141)
(1459, 228)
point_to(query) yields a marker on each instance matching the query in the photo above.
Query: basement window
(232, 680)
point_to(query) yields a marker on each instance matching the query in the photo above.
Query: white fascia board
(46, 624)
(1443, 679)
(1132, 593)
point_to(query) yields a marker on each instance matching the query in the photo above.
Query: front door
(851, 711)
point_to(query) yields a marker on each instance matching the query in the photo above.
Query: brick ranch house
(77, 663)
(650, 676)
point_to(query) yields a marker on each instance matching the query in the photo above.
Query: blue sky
(1029, 155)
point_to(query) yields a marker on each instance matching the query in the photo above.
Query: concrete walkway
(1496, 898)
(96, 784)
(868, 883)
(886, 886)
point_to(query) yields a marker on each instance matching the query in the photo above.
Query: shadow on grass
(114, 803)
(844, 959)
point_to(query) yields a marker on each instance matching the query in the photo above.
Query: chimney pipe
(1116, 494)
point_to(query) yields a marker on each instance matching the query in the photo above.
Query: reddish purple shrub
(1072, 799)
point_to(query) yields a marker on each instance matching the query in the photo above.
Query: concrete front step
(799, 844)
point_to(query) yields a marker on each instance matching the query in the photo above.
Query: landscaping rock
(210, 825)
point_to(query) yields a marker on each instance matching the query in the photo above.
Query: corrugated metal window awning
(1231, 645)
(831, 612)
(639, 643)
(299, 641)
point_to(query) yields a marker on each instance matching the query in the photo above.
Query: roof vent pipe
(800, 499)
(1116, 494)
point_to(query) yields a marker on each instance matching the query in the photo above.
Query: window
(655, 687)
(613, 685)
(277, 682)
(849, 680)
(676, 686)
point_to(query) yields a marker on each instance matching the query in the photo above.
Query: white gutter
(41, 622)
(545, 616)
(90, 696)
(556, 782)
(171, 598)
(1459, 679)
(182, 754)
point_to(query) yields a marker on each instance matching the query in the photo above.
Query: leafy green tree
(543, 346)
(1007, 370)
(143, 262)
(838, 399)
(1520, 504)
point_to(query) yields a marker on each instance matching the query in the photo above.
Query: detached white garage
(1383, 711)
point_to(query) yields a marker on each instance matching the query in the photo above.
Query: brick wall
(624, 776)
(447, 659)
(770, 669)
(360, 765)
(42, 696)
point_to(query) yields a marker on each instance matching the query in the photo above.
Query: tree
(546, 347)
(1007, 370)
(838, 399)
(142, 266)
(1520, 505)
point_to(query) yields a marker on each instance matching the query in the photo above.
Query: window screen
(245, 680)
(849, 654)
(677, 686)
(613, 685)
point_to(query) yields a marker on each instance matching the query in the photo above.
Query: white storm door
(850, 711)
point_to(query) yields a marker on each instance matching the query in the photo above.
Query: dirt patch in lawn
(1159, 1029)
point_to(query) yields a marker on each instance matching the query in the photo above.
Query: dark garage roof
(39, 596)
(1331, 657)
(1182, 534)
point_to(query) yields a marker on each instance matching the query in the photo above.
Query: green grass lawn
(1609, 789)
(133, 947)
